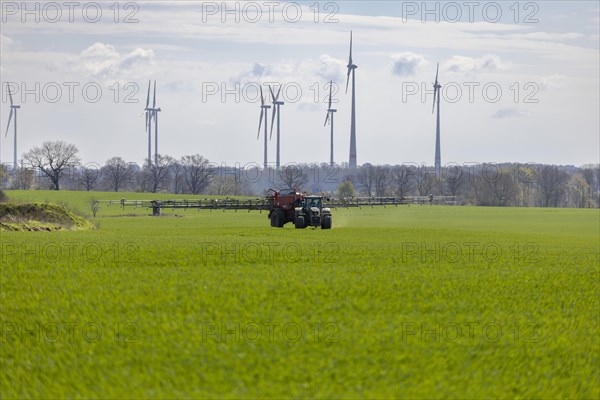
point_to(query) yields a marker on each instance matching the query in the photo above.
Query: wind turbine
(276, 110)
(436, 95)
(351, 70)
(13, 108)
(150, 114)
(330, 112)
(263, 111)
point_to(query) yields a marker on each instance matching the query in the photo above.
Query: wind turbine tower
(152, 113)
(436, 97)
(13, 109)
(351, 70)
(276, 104)
(330, 112)
(264, 110)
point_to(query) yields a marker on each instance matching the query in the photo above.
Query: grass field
(406, 302)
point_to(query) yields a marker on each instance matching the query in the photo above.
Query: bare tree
(579, 192)
(94, 205)
(157, 172)
(381, 179)
(365, 178)
(88, 178)
(551, 184)
(178, 178)
(117, 173)
(402, 180)
(497, 190)
(198, 172)
(52, 159)
(424, 181)
(454, 179)
(291, 176)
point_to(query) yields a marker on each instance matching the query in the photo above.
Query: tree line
(56, 165)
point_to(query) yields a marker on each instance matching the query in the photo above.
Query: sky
(520, 80)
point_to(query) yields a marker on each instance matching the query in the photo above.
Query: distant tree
(117, 173)
(402, 180)
(365, 179)
(53, 158)
(424, 181)
(178, 178)
(88, 177)
(579, 192)
(346, 189)
(157, 172)
(198, 172)
(292, 176)
(551, 184)
(381, 179)
(454, 178)
(497, 189)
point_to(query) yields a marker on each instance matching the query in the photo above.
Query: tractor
(291, 206)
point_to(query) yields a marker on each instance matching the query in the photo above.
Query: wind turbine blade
(262, 110)
(278, 92)
(147, 122)
(435, 93)
(262, 99)
(330, 87)
(9, 119)
(273, 99)
(350, 60)
(348, 79)
(148, 97)
(273, 119)
(436, 73)
(154, 101)
(326, 119)
(9, 94)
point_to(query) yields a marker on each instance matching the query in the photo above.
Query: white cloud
(407, 63)
(469, 65)
(552, 82)
(103, 60)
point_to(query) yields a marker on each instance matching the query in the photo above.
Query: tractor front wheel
(326, 222)
(300, 222)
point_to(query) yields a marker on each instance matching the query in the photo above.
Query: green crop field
(396, 302)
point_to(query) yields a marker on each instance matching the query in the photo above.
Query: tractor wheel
(300, 222)
(326, 222)
(280, 218)
(274, 219)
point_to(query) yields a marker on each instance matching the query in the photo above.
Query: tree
(117, 173)
(381, 179)
(497, 190)
(94, 206)
(579, 192)
(454, 179)
(291, 176)
(157, 172)
(365, 178)
(52, 159)
(551, 184)
(88, 178)
(424, 181)
(178, 179)
(346, 189)
(197, 172)
(402, 180)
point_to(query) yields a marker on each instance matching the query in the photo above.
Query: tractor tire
(300, 222)
(274, 221)
(326, 222)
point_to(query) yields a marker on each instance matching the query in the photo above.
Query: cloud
(407, 63)
(485, 63)
(6, 43)
(511, 113)
(103, 60)
(552, 82)
(323, 69)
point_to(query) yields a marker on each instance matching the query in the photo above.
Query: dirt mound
(40, 217)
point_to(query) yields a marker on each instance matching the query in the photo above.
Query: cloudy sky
(520, 82)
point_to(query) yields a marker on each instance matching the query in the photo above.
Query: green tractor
(290, 205)
(312, 213)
